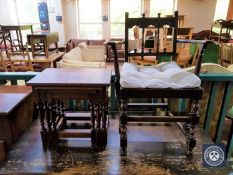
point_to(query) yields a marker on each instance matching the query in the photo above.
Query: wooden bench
(15, 114)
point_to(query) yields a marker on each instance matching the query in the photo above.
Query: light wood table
(44, 62)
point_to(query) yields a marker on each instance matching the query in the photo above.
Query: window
(165, 7)
(27, 12)
(221, 9)
(90, 24)
(117, 15)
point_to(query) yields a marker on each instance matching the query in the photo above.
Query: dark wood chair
(191, 116)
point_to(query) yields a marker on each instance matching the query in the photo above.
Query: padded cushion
(74, 54)
(83, 45)
(93, 53)
(77, 64)
(52, 38)
(96, 42)
(164, 75)
(76, 42)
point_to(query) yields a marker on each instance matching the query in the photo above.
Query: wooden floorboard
(158, 150)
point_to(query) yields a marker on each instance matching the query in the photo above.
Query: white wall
(69, 9)
(4, 12)
(54, 8)
(199, 14)
(7, 12)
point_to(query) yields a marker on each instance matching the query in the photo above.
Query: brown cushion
(96, 42)
(76, 42)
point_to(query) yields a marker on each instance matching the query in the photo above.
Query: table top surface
(37, 59)
(9, 101)
(72, 77)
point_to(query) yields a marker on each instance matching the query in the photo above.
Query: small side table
(44, 39)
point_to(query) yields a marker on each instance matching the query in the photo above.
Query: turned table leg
(104, 123)
(43, 131)
(194, 115)
(123, 127)
(93, 133)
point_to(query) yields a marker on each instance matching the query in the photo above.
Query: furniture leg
(56, 45)
(187, 125)
(104, 113)
(35, 110)
(48, 108)
(194, 115)
(54, 109)
(32, 47)
(43, 130)
(46, 48)
(123, 127)
(61, 113)
(98, 130)
(93, 133)
(20, 40)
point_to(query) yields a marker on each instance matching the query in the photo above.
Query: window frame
(89, 23)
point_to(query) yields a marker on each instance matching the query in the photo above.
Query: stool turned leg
(123, 127)
(194, 115)
(187, 125)
(104, 123)
(93, 133)
(43, 130)
(56, 45)
(48, 109)
(98, 127)
(35, 110)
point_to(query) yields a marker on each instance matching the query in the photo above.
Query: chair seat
(164, 75)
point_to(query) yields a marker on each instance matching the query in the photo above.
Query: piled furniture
(84, 56)
(40, 43)
(131, 84)
(72, 43)
(223, 29)
(17, 44)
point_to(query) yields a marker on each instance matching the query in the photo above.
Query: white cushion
(83, 45)
(96, 53)
(164, 75)
(74, 54)
(230, 68)
(79, 64)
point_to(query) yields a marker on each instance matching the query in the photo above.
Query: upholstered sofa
(75, 43)
(84, 56)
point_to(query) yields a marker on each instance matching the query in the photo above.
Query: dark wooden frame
(50, 94)
(43, 43)
(191, 118)
(6, 34)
